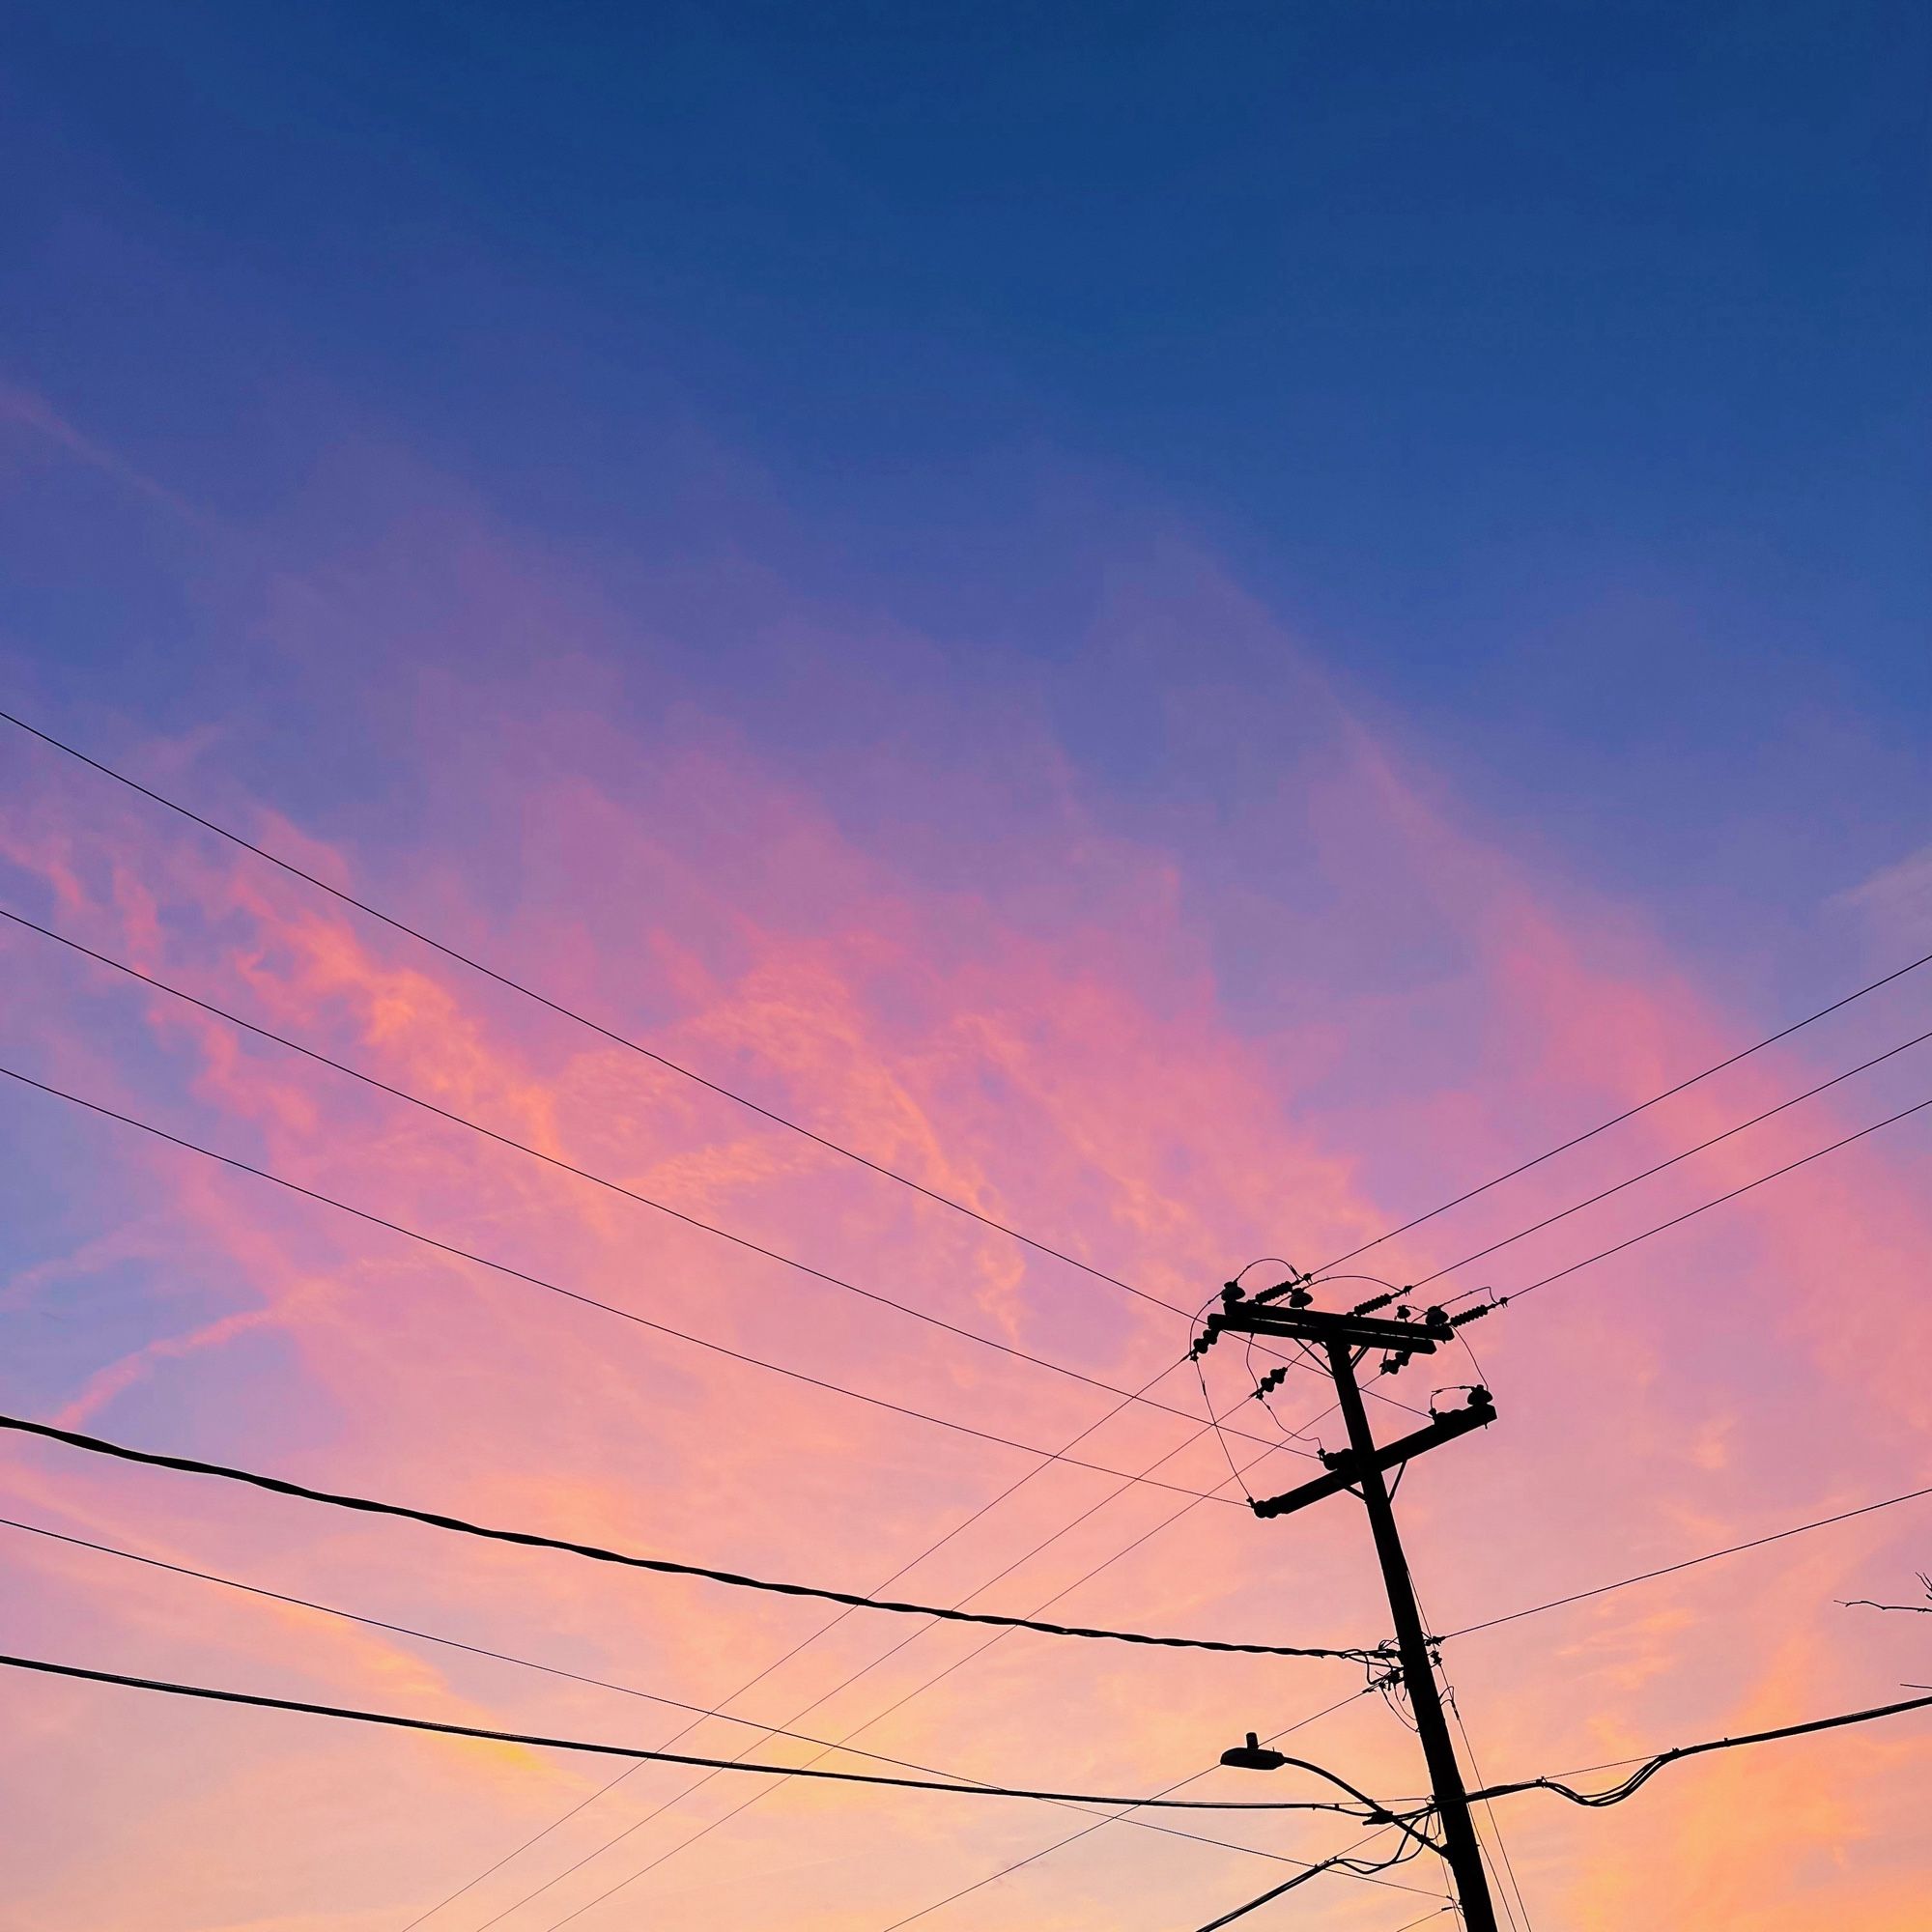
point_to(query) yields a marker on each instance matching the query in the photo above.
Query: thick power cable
(557, 1161)
(1577, 1207)
(598, 1553)
(1617, 1120)
(610, 1034)
(556, 1670)
(1630, 1786)
(395, 1721)
(450, 1249)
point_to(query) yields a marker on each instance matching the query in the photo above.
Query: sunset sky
(1197, 628)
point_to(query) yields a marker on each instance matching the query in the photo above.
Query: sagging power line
(538, 1741)
(662, 1566)
(445, 1641)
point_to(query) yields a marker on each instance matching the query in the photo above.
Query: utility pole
(1344, 1339)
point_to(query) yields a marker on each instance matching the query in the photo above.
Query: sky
(1199, 629)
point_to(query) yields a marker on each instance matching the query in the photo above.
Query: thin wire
(825, 1697)
(1689, 1563)
(1677, 1220)
(1629, 1113)
(550, 1286)
(1522, 1907)
(814, 1703)
(1087, 1830)
(550, 1669)
(395, 1721)
(100, 1445)
(581, 1173)
(610, 1034)
(1550, 1220)
(836, 1690)
(1342, 1860)
(758, 1676)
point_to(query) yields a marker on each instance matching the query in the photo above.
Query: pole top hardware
(1242, 1317)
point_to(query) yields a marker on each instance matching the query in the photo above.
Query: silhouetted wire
(581, 1173)
(836, 1690)
(552, 1669)
(1630, 1786)
(556, 1007)
(1687, 1563)
(1629, 1113)
(1577, 1207)
(1118, 1817)
(1344, 1861)
(395, 1721)
(1520, 1908)
(918, 1691)
(375, 1220)
(597, 1554)
(758, 1676)
(1703, 1206)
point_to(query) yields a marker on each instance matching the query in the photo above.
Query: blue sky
(1552, 373)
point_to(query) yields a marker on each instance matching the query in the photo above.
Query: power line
(1615, 1120)
(1344, 1861)
(1704, 1206)
(395, 1721)
(662, 1566)
(878, 1716)
(1550, 1220)
(1689, 1563)
(758, 1676)
(844, 1684)
(610, 1034)
(557, 1161)
(554, 1287)
(1630, 1786)
(548, 1669)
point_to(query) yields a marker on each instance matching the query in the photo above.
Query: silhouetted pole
(1463, 1855)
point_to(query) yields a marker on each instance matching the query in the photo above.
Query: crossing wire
(844, 1684)
(549, 1669)
(375, 1220)
(662, 1566)
(557, 1161)
(758, 1677)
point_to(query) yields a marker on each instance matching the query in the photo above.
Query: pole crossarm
(1344, 1466)
(1242, 1317)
